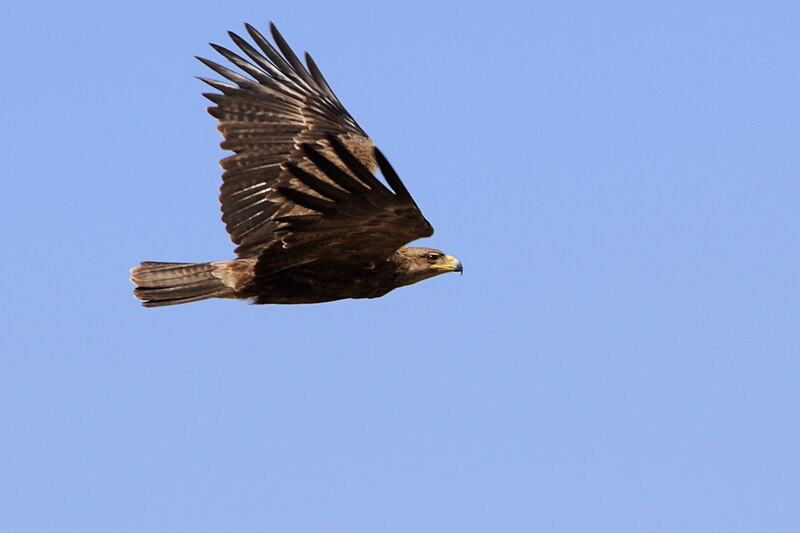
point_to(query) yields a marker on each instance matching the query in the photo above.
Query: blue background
(620, 180)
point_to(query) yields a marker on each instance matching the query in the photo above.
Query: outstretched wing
(352, 215)
(264, 119)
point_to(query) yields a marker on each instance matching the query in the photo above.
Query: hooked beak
(452, 265)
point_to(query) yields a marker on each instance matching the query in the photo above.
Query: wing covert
(351, 215)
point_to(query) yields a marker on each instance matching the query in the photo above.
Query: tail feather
(160, 284)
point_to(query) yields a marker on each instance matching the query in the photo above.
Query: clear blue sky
(620, 179)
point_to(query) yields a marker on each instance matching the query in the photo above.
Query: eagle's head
(417, 264)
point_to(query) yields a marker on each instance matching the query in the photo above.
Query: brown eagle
(299, 196)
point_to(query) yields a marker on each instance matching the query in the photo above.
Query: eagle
(300, 196)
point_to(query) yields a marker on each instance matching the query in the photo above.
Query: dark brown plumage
(299, 196)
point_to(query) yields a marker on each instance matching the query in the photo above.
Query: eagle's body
(299, 196)
(311, 284)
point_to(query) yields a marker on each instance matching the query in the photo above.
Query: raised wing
(265, 119)
(352, 217)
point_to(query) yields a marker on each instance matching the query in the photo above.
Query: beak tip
(452, 265)
(458, 267)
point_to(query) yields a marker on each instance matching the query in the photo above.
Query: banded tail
(160, 284)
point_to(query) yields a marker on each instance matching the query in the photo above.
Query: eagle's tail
(160, 284)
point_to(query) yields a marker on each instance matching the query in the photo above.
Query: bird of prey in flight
(299, 195)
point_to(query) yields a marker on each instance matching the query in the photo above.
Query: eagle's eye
(434, 256)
